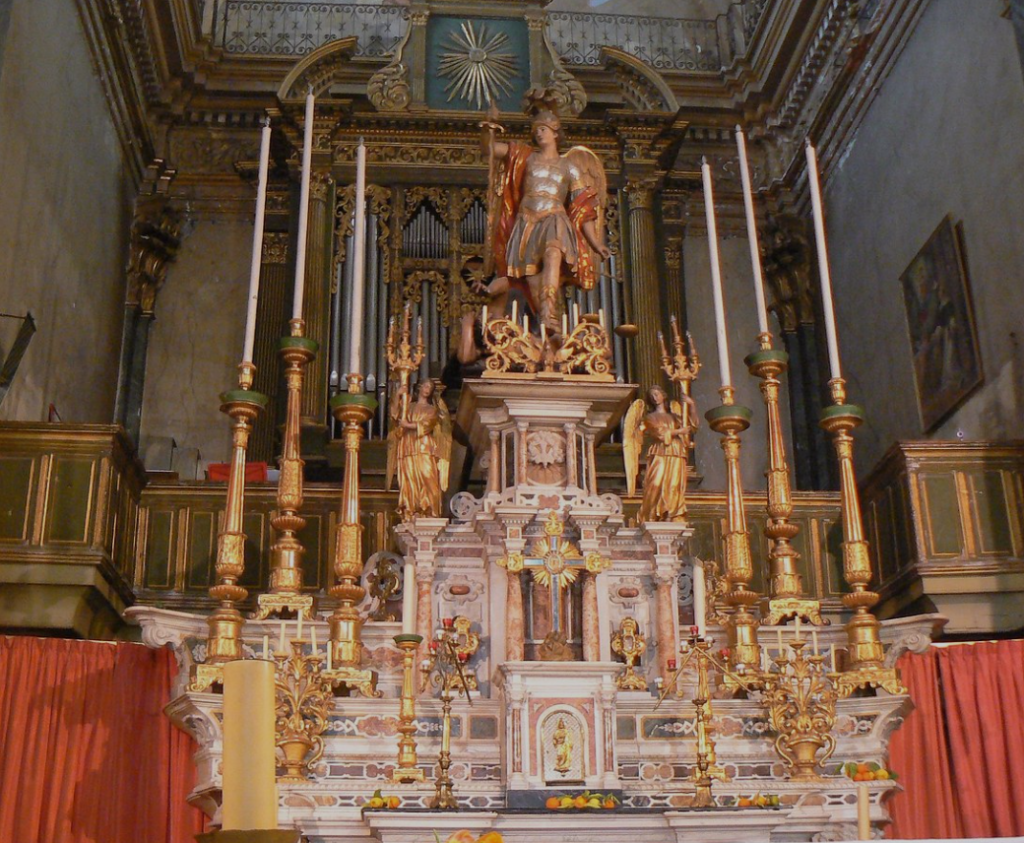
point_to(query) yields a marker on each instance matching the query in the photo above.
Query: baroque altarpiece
(588, 650)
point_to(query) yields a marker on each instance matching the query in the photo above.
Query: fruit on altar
(866, 771)
(461, 836)
(566, 802)
(490, 837)
(394, 802)
(580, 801)
(553, 803)
(375, 802)
(609, 802)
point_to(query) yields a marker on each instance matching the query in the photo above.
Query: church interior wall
(196, 341)
(741, 319)
(942, 137)
(64, 217)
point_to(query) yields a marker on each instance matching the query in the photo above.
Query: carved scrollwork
(388, 88)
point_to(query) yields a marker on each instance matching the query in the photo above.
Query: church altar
(538, 726)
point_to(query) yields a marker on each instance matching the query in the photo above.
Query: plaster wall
(196, 340)
(64, 214)
(943, 136)
(741, 322)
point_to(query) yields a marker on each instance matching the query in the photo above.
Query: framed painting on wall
(940, 320)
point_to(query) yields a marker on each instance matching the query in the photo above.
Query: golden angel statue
(670, 427)
(419, 451)
(546, 215)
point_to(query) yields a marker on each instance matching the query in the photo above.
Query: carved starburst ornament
(478, 65)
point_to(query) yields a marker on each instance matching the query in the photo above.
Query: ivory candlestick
(724, 370)
(257, 245)
(755, 251)
(823, 270)
(303, 225)
(355, 348)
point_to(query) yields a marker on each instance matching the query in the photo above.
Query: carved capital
(154, 241)
(640, 190)
(275, 248)
(319, 184)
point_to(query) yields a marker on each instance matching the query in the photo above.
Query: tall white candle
(307, 165)
(700, 599)
(355, 327)
(257, 245)
(725, 374)
(409, 598)
(823, 272)
(863, 812)
(755, 251)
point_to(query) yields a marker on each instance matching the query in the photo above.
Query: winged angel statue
(546, 213)
(670, 427)
(419, 451)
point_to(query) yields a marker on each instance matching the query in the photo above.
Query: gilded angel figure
(546, 215)
(419, 451)
(670, 429)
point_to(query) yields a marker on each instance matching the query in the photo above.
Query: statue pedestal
(535, 438)
(559, 728)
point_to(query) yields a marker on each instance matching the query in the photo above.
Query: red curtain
(960, 754)
(88, 755)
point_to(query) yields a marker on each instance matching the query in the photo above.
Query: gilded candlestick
(730, 419)
(697, 651)
(787, 599)
(865, 665)
(443, 667)
(353, 409)
(224, 640)
(407, 769)
(285, 597)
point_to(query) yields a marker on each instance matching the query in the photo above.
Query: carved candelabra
(285, 597)
(787, 599)
(224, 640)
(444, 668)
(730, 419)
(304, 692)
(681, 367)
(697, 650)
(512, 349)
(800, 697)
(865, 666)
(407, 769)
(353, 409)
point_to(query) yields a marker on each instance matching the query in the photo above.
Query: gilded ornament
(630, 643)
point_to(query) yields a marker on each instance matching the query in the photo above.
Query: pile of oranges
(467, 836)
(582, 801)
(866, 772)
(380, 802)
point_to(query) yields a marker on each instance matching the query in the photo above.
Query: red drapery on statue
(960, 754)
(88, 755)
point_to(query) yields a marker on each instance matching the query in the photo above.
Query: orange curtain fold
(88, 755)
(919, 753)
(960, 753)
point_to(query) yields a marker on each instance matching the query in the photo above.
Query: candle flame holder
(512, 350)
(407, 769)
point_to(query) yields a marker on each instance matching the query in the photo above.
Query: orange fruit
(552, 803)
(744, 802)
(580, 801)
(863, 768)
(608, 803)
(394, 801)
(462, 836)
(490, 837)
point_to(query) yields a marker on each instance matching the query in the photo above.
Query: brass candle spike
(284, 597)
(865, 664)
(407, 769)
(224, 638)
(786, 592)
